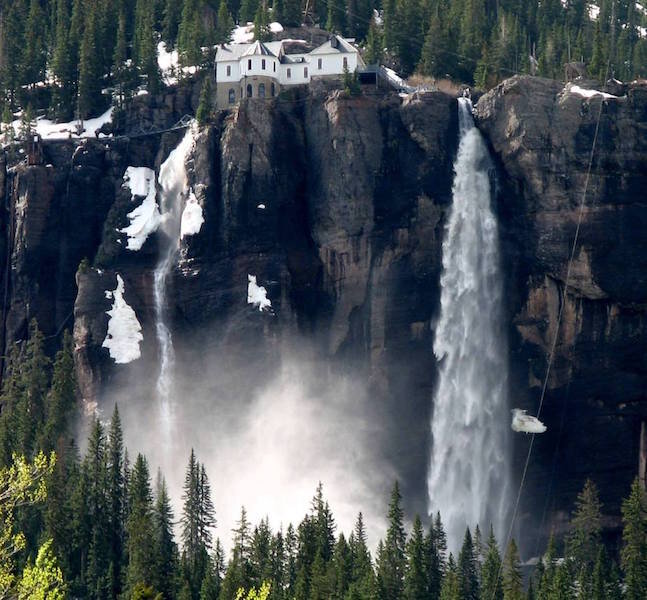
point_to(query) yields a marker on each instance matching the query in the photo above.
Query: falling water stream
(174, 190)
(468, 479)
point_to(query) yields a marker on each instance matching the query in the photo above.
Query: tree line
(102, 526)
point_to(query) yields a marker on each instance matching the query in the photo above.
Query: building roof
(282, 49)
(257, 49)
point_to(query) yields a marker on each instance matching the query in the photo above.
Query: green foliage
(491, 583)
(391, 560)
(262, 22)
(44, 579)
(634, 537)
(205, 106)
(512, 579)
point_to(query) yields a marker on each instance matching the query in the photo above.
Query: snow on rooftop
(192, 217)
(145, 219)
(242, 34)
(524, 423)
(257, 295)
(49, 130)
(124, 331)
(576, 89)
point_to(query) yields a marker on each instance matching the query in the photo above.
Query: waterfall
(174, 192)
(468, 477)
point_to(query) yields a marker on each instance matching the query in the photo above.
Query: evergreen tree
(392, 561)
(115, 491)
(261, 23)
(562, 588)
(292, 15)
(139, 528)
(190, 34)
(468, 569)
(584, 538)
(634, 538)
(122, 71)
(451, 585)
(90, 98)
(225, 24)
(512, 579)
(34, 54)
(491, 570)
(248, 10)
(205, 106)
(166, 549)
(373, 44)
(415, 578)
(172, 17)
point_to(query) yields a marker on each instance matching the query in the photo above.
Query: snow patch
(243, 34)
(261, 206)
(276, 27)
(525, 423)
(49, 130)
(124, 331)
(146, 218)
(377, 17)
(640, 8)
(257, 294)
(576, 89)
(594, 12)
(394, 77)
(192, 217)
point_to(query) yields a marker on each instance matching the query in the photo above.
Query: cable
(551, 355)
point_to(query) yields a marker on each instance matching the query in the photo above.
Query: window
(345, 63)
(261, 90)
(232, 96)
(289, 73)
(249, 90)
(305, 72)
(249, 64)
(228, 70)
(263, 64)
(275, 67)
(319, 64)
(273, 90)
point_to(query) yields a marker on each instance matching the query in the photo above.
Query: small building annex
(260, 70)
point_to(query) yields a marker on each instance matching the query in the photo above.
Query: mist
(266, 435)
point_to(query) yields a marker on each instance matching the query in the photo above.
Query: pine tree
(122, 71)
(205, 107)
(362, 586)
(140, 528)
(248, 10)
(468, 569)
(373, 44)
(292, 15)
(190, 34)
(634, 538)
(61, 398)
(451, 585)
(146, 49)
(35, 50)
(341, 568)
(512, 579)
(562, 588)
(392, 561)
(90, 98)
(491, 570)
(261, 23)
(225, 24)
(172, 17)
(115, 490)
(166, 549)
(584, 538)
(415, 580)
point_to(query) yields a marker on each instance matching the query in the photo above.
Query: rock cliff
(337, 206)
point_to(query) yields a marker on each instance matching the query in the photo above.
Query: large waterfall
(174, 192)
(469, 471)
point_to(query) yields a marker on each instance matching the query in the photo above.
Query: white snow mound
(576, 89)
(146, 218)
(257, 295)
(526, 423)
(49, 130)
(124, 331)
(192, 217)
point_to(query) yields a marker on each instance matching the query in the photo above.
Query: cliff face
(348, 247)
(596, 397)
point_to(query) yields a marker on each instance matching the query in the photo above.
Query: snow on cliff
(525, 423)
(49, 130)
(192, 217)
(145, 219)
(257, 295)
(124, 331)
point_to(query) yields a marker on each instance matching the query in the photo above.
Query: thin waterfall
(468, 480)
(174, 192)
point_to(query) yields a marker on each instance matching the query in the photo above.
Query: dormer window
(263, 64)
(249, 64)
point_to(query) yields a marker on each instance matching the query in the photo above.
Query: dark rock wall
(348, 247)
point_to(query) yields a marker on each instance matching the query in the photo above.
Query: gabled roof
(335, 45)
(257, 49)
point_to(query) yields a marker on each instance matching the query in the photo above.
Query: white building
(260, 70)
